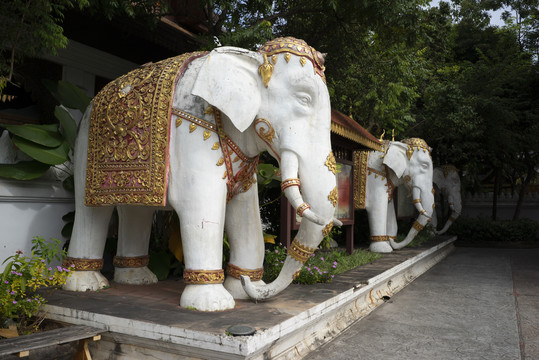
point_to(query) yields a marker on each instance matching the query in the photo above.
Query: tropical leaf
(24, 170)
(267, 173)
(67, 230)
(72, 96)
(68, 94)
(46, 135)
(69, 183)
(69, 126)
(48, 155)
(70, 216)
(160, 264)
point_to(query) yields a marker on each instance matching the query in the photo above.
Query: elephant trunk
(455, 213)
(317, 185)
(423, 201)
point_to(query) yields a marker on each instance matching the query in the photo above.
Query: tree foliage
(477, 108)
(372, 74)
(441, 73)
(29, 28)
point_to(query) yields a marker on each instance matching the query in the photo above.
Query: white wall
(28, 209)
(35, 208)
(86, 59)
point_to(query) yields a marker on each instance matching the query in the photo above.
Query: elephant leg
(131, 260)
(391, 223)
(244, 233)
(377, 211)
(85, 255)
(199, 200)
(379, 236)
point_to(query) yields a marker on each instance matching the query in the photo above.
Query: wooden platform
(147, 321)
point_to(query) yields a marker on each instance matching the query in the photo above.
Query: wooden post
(286, 222)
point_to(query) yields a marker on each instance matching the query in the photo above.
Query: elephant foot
(380, 247)
(234, 287)
(134, 276)
(207, 297)
(85, 281)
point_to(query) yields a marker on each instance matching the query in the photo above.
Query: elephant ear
(396, 158)
(229, 80)
(438, 176)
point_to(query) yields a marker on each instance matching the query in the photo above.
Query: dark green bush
(475, 230)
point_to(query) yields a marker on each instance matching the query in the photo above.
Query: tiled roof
(346, 127)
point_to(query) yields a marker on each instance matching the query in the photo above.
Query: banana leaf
(24, 170)
(48, 155)
(160, 264)
(46, 135)
(69, 217)
(69, 126)
(67, 230)
(68, 94)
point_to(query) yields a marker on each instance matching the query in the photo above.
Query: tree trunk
(522, 191)
(495, 193)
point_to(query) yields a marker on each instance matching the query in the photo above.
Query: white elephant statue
(447, 183)
(185, 133)
(409, 163)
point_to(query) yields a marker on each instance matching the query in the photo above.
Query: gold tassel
(266, 70)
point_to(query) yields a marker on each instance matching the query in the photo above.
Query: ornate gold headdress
(289, 45)
(416, 144)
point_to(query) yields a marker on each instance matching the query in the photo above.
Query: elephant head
(282, 87)
(446, 178)
(410, 160)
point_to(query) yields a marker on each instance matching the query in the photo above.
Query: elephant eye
(304, 98)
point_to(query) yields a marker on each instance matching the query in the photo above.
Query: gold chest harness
(240, 177)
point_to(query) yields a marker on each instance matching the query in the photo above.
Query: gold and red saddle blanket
(129, 136)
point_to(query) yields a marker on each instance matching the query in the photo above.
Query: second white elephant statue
(409, 163)
(219, 111)
(447, 184)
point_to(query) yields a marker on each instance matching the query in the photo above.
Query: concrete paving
(474, 304)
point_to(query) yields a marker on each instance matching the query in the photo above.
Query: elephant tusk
(311, 216)
(290, 186)
(422, 220)
(449, 222)
(337, 222)
(257, 292)
(416, 193)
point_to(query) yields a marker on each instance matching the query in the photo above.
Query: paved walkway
(475, 304)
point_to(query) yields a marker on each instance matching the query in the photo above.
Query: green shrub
(476, 230)
(321, 267)
(23, 276)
